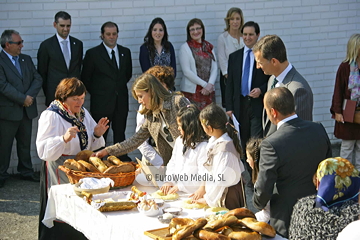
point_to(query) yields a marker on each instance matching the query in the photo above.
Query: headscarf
(77, 120)
(339, 182)
(354, 82)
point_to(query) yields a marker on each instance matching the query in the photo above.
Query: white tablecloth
(65, 205)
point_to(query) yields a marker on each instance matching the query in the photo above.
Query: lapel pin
(122, 54)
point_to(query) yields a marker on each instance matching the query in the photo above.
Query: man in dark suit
(288, 159)
(19, 85)
(59, 57)
(270, 55)
(107, 69)
(244, 97)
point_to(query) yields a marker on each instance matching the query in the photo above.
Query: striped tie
(274, 83)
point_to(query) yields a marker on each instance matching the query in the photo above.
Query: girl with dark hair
(253, 155)
(198, 63)
(224, 188)
(189, 153)
(157, 50)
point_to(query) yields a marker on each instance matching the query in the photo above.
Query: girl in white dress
(189, 154)
(223, 187)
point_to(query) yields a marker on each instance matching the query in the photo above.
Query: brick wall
(315, 33)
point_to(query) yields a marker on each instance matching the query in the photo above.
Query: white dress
(225, 170)
(189, 165)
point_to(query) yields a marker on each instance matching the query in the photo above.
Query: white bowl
(150, 213)
(92, 191)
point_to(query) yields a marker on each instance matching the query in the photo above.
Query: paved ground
(19, 208)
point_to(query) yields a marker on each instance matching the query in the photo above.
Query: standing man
(246, 86)
(270, 55)
(59, 57)
(288, 159)
(106, 70)
(19, 85)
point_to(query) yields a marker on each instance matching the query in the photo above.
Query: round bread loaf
(161, 195)
(89, 167)
(261, 227)
(74, 165)
(84, 155)
(188, 204)
(240, 213)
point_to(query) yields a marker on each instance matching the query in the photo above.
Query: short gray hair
(6, 36)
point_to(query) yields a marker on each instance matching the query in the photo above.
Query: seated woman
(335, 206)
(189, 153)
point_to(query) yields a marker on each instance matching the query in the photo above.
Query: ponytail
(233, 134)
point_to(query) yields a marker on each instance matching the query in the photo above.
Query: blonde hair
(353, 48)
(229, 15)
(148, 83)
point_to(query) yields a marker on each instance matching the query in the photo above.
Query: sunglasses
(18, 43)
(168, 137)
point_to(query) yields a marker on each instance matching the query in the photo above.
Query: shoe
(2, 183)
(33, 177)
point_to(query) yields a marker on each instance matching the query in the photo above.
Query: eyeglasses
(18, 43)
(168, 137)
(195, 29)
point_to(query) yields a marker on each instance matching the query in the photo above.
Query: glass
(195, 29)
(18, 43)
(168, 137)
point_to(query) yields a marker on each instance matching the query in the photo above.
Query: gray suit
(288, 160)
(15, 119)
(303, 96)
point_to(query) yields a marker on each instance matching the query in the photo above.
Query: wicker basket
(120, 179)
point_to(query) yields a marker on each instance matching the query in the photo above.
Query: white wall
(315, 33)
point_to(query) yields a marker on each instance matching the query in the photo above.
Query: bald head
(279, 104)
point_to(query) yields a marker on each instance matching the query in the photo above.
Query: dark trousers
(222, 89)
(21, 131)
(117, 119)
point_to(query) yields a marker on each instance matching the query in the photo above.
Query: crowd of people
(186, 130)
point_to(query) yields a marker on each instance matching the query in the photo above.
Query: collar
(213, 140)
(60, 39)
(282, 75)
(110, 49)
(10, 56)
(246, 49)
(285, 120)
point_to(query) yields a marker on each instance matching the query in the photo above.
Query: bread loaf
(225, 221)
(84, 155)
(74, 165)
(114, 160)
(108, 163)
(98, 164)
(240, 213)
(177, 223)
(244, 234)
(187, 230)
(261, 227)
(89, 167)
(206, 235)
(122, 168)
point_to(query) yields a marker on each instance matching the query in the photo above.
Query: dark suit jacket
(303, 96)
(52, 66)
(233, 85)
(14, 88)
(105, 83)
(288, 160)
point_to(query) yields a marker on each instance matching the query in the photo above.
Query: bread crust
(89, 167)
(74, 165)
(207, 235)
(108, 163)
(114, 160)
(98, 164)
(244, 234)
(240, 213)
(225, 221)
(84, 155)
(261, 227)
(123, 168)
(187, 230)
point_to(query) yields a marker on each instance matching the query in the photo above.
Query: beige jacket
(151, 127)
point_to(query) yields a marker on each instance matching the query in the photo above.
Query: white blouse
(227, 45)
(226, 171)
(50, 144)
(188, 165)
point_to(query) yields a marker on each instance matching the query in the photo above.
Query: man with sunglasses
(59, 56)
(19, 85)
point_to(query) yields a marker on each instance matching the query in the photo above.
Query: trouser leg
(7, 134)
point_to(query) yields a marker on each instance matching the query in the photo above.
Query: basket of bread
(83, 165)
(238, 224)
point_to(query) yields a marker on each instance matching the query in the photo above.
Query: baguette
(114, 160)
(206, 235)
(98, 164)
(84, 155)
(89, 167)
(74, 165)
(240, 213)
(187, 230)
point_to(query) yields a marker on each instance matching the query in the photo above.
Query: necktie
(66, 53)
(274, 83)
(113, 58)
(245, 77)
(17, 64)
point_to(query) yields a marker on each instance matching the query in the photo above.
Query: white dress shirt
(109, 50)
(285, 120)
(60, 39)
(282, 75)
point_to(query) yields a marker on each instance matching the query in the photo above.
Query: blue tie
(245, 77)
(17, 64)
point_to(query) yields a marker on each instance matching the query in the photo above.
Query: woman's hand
(101, 127)
(70, 134)
(165, 188)
(201, 201)
(209, 87)
(100, 154)
(198, 194)
(339, 117)
(174, 189)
